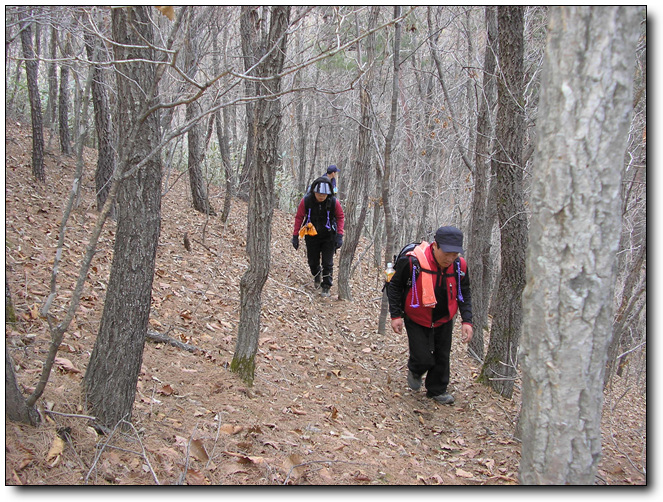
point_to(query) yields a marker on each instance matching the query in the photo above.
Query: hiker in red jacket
(320, 221)
(429, 286)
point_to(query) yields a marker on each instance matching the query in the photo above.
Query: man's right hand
(397, 325)
(295, 242)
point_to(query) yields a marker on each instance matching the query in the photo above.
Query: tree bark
(357, 180)
(583, 125)
(386, 197)
(222, 122)
(196, 150)
(16, 407)
(250, 35)
(112, 373)
(500, 365)
(483, 210)
(63, 102)
(262, 198)
(51, 109)
(103, 122)
(31, 70)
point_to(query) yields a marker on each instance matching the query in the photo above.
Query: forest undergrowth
(330, 403)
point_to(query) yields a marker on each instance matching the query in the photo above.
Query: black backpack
(330, 202)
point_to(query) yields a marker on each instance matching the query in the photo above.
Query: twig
(144, 455)
(70, 415)
(100, 452)
(158, 337)
(186, 460)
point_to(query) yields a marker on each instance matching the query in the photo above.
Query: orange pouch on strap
(427, 286)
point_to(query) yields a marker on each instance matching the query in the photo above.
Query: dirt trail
(330, 403)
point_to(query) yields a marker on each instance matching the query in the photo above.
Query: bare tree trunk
(483, 212)
(357, 201)
(112, 373)
(196, 150)
(262, 199)
(250, 35)
(223, 134)
(31, 70)
(103, 123)
(52, 107)
(499, 369)
(63, 102)
(16, 407)
(582, 124)
(386, 175)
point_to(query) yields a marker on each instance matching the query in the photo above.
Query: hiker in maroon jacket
(320, 221)
(429, 286)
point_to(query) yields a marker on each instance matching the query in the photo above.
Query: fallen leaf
(245, 459)
(464, 474)
(66, 365)
(198, 451)
(230, 429)
(166, 390)
(293, 467)
(195, 477)
(56, 451)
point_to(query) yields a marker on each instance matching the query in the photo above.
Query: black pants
(317, 247)
(430, 351)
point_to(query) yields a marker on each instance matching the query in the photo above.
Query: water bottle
(389, 271)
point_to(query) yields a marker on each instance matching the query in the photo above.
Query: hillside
(330, 404)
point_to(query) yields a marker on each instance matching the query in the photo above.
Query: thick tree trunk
(262, 199)
(31, 70)
(583, 125)
(500, 365)
(112, 372)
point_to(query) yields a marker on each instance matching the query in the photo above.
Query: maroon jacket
(318, 214)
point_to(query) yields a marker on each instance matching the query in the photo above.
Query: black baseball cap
(449, 239)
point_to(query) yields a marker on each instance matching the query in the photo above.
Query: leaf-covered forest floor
(330, 403)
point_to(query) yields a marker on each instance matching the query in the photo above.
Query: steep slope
(330, 404)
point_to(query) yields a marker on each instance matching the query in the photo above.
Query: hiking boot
(317, 281)
(325, 291)
(444, 398)
(413, 381)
